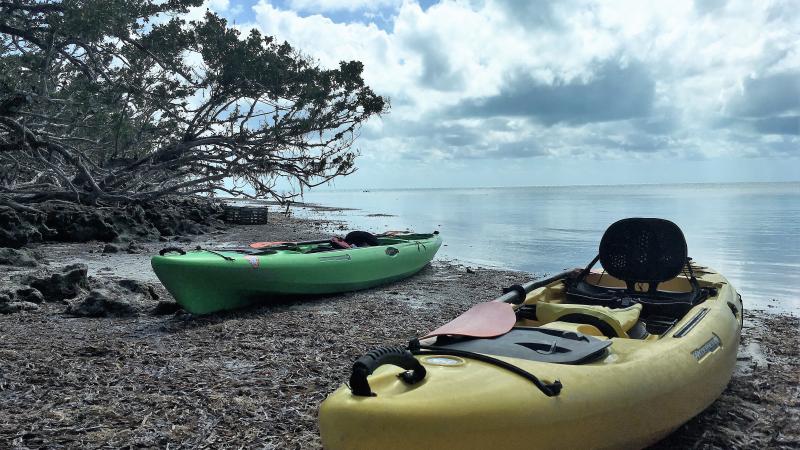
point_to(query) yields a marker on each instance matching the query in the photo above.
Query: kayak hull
(638, 393)
(204, 282)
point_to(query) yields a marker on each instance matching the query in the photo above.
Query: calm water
(749, 232)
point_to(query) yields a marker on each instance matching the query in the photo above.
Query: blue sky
(511, 93)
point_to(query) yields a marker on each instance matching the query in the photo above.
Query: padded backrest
(643, 250)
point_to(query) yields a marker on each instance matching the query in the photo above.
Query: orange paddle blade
(267, 244)
(483, 320)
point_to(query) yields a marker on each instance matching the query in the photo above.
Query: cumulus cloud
(768, 104)
(599, 79)
(339, 5)
(530, 13)
(768, 95)
(709, 6)
(613, 92)
(778, 125)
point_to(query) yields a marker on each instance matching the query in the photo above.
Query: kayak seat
(640, 252)
(354, 239)
(611, 322)
(361, 239)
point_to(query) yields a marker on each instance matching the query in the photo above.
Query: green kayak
(205, 281)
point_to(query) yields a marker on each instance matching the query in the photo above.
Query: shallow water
(749, 232)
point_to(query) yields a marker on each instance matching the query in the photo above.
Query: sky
(532, 92)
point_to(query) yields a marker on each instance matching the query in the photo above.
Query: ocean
(750, 232)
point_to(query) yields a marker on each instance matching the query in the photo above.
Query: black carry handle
(164, 251)
(396, 356)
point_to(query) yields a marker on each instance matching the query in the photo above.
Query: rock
(91, 351)
(30, 295)
(134, 248)
(194, 228)
(69, 222)
(27, 306)
(183, 315)
(14, 257)
(165, 307)
(184, 240)
(113, 298)
(189, 215)
(78, 223)
(18, 229)
(10, 307)
(63, 285)
(111, 248)
(101, 302)
(139, 287)
(469, 270)
(132, 223)
(5, 297)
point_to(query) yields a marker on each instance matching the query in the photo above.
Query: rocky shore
(57, 221)
(94, 352)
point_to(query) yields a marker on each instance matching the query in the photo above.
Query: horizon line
(693, 183)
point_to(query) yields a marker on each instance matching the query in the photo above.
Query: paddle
(514, 295)
(394, 233)
(495, 318)
(484, 320)
(260, 245)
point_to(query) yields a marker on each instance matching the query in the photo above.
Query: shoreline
(255, 377)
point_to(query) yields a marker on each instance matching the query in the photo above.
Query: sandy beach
(255, 377)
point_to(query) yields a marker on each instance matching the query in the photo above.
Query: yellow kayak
(616, 358)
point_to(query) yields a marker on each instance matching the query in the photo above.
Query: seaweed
(256, 377)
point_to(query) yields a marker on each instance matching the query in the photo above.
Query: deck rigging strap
(548, 389)
(692, 279)
(227, 258)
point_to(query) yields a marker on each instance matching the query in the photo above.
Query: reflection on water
(749, 232)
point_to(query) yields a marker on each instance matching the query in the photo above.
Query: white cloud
(341, 5)
(219, 5)
(432, 62)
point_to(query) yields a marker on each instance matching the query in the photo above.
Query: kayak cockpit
(553, 306)
(645, 262)
(642, 253)
(352, 241)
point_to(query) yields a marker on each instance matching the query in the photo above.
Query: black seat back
(643, 250)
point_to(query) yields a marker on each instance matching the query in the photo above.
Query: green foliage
(120, 100)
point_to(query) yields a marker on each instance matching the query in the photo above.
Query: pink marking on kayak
(254, 261)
